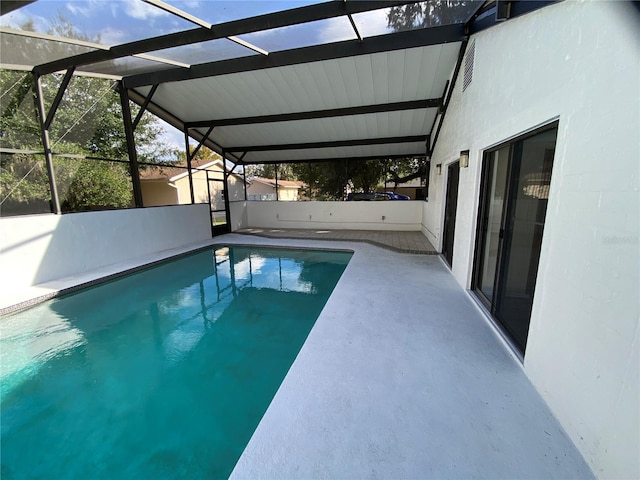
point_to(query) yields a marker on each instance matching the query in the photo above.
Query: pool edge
(55, 293)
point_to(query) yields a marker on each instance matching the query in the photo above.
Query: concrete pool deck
(403, 377)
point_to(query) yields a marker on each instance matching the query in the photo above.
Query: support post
(209, 197)
(386, 172)
(244, 180)
(427, 180)
(46, 143)
(275, 167)
(131, 145)
(144, 106)
(225, 176)
(201, 142)
(58, 98)
(186, 146)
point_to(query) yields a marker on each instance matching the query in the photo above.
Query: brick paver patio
(398, 241)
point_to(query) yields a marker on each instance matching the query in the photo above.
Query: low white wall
(238, 218)
(577, 62)
(381, 215)
(40, 248)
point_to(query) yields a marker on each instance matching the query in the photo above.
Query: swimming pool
(164, 373)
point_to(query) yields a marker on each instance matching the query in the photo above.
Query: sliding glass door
(515, 191)
(450, 209)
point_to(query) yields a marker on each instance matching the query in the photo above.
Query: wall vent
(468, 65)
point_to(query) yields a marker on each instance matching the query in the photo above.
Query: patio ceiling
(316, 82)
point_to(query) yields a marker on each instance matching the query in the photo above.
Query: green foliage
(329, 180)
(19, 126)
(203, 154)
(429, 14)
(366, 175)
(82, 184)
(93, 185)
(15, 168)
(286, 171)
(406, 169)
(323, 180)
(88, 122)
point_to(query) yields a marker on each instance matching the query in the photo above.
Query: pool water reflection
(161, 374)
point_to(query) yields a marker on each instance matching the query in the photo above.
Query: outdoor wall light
(439, 169)
(464, 159)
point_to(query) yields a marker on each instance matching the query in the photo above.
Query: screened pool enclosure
(255, 82)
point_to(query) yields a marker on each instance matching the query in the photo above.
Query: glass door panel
(513, 205)
(497, 165)
(533, 161)
(453, 178)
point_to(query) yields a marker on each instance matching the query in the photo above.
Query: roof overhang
(376, 96)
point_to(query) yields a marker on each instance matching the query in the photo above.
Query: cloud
(75, 9)
(372, 23)
(336, 30)
(369, 24)
(110, 36)
(192, 3)
(142, 11)
(17, 18)
(170, 136)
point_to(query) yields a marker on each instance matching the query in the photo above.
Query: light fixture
(464, 159)
(439, 169)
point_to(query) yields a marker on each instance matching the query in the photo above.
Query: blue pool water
(161, 374)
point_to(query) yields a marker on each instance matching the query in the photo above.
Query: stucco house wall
(259, 188)
(285, 192)
(175, 190)
(158, 192)
(577, 63)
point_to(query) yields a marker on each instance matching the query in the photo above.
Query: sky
(113, 22)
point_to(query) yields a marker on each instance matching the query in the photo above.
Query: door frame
(225, 228)
(445, 223)
(491, 305)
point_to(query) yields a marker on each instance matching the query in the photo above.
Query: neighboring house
(259, 188)
(169, 185)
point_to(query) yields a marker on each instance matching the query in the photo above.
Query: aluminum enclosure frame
(483, 17)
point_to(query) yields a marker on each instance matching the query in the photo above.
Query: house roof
(258, 84)
(295, 184)
(173, 172)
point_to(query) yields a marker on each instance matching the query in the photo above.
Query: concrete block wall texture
(578, 63)
(383, 215)
(238, 211)
(39, 248)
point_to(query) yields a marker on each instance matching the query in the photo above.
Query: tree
(406, 169)
(96, 186)
(429, 14)
(88, 122)
(366, 175)
(202, 154)
(286, 171)
(323, 180)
